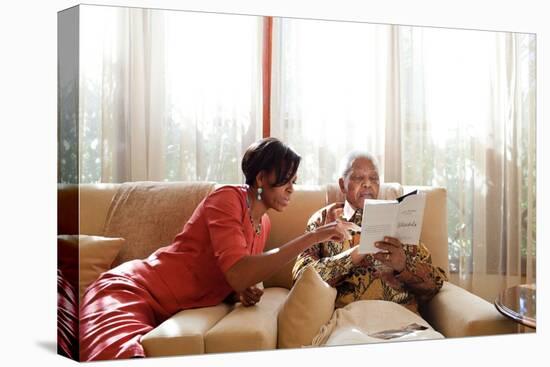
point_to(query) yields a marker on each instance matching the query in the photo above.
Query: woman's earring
(259, 197)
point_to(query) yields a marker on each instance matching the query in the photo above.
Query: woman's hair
(270, 154)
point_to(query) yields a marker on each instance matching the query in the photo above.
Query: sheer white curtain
(167, 95)
(328, 96)
(444, 107)
(468, 124)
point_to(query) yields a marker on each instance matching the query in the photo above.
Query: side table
(519, 303)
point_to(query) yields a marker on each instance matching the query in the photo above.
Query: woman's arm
(332, 269)
(253, 269)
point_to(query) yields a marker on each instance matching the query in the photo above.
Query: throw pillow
(67, 258)
(308, 306)
(96, 254)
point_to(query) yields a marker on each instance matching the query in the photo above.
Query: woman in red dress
(218, 253)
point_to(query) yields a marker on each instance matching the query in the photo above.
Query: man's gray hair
(347, 162)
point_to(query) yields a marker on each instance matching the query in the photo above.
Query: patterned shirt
(418, 282)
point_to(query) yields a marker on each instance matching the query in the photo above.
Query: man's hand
(334, 211)
(356, 257)
(250, 296)
(393, 254)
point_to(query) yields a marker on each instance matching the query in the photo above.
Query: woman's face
(277, 198)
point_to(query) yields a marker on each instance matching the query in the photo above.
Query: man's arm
(420, 276)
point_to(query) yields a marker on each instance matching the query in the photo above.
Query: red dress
(130, 300)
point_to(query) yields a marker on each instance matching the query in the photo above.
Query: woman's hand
(250, 296)
(393, 254)
(337, 231)
(252, 269)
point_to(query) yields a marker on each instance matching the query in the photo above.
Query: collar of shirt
(349, 211)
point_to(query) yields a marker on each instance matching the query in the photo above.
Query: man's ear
(342, 186)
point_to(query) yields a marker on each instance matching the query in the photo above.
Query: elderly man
(401, 273)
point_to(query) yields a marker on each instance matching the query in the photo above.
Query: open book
(400, 218)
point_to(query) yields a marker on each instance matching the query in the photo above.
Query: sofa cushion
(183, 333)
(248, 328)
(358, 321)
(96, 254)
(150, 214)
(309, 306)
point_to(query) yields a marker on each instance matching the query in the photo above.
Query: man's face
(361, 182)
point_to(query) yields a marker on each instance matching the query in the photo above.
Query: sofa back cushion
(434, 224)
(290, 224)
(67, 209)
(307, 199)
(82, 208)
(95, 200)
(387, 191)
(148, 215)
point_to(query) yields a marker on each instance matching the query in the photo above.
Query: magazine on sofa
(400, 218)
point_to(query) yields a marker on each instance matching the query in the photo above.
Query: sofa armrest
(455, 312)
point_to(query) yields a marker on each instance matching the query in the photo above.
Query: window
(168, 95)
(173, 95)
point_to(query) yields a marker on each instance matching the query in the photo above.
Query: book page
(379, 220)
(409, 218)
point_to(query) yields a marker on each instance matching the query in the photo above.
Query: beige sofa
(453, 312)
